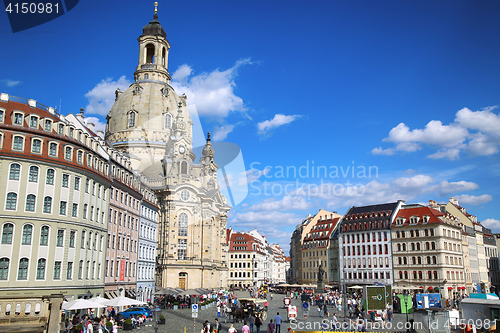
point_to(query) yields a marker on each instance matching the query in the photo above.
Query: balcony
(149, 66)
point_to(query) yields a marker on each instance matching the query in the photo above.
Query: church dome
(154, 28)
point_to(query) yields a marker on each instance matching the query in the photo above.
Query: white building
(147, 247)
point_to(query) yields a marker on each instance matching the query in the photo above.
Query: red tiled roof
(419, 212)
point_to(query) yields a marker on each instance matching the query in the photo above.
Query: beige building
(427, 247)
(52, 242)
(150, 123)
(297, 259)
(315, 249)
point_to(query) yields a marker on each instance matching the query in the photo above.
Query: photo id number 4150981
(32, 8)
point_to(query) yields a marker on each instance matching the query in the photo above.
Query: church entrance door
(182, 283)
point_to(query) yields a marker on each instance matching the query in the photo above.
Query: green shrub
(109, 324)
(176, 303)
(162, 317)
(128, 321)
(79, 327)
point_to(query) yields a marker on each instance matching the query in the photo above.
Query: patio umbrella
(123, 301)
(81, 303)
(356, 287)
(99, 300)
(168, 291)
(192, 292)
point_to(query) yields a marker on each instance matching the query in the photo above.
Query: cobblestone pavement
(176, 321)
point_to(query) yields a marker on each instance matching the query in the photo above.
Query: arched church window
(163, 56)
(183, 224)
(184, 167)
(168, 121)
(146, 76)
(150, 54)
(131, 119)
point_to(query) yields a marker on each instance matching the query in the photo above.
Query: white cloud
(473, 200)
(278, 120)
(445, 187)
(475, 132)
(491, 223)
(288, 202)
(402, 188)
(252, 175)
(380, 151)
(102, 96)
(212, 93)
(10, 83)
(451, 154)
(484, 121)
(220, 133)
(98, 125)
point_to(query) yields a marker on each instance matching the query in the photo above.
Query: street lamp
(405, 294)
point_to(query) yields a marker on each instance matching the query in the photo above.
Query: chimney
(100, 133)
(90, 126)
(80, 116)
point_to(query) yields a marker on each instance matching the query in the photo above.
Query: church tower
(150, 123)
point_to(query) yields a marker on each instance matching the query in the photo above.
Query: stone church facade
(149, 122)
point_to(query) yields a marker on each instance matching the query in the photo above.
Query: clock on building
(182, 150)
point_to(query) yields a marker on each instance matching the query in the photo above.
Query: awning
(430, 288)
(114, 294)
(129, 293)
(450, 288)
(108, 295)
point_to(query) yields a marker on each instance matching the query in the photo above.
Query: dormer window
(34, 121)
(18, 118)
(48, 125)
(2, 116)
(71, 132)
(60, 129)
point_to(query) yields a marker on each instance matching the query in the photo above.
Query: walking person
(251, 321)
(245, 328)
(270, 327)
(278, 320)
(258, 324)
(232, 329)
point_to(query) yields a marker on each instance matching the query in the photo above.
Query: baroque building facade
(56, 178)
(150, 123)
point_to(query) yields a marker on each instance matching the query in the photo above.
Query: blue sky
(408, 88)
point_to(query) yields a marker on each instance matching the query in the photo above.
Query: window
(47, 205)
(18, 119)
(65, 180)
(69, 271)
(71, 130)
(27, 232)
(72, 236)
(33, 175)
(168, 121)
(18, 143)
(7, 231)
(14, 171)
(61, 129)
(80, 269)
(62, 208)
(183, 224)
(11, 201)
(131, 119)
(74, 211)
(48, 125)
(2, 114)
(53, 149)
(30, 203)
(77, 184)
(184, 167)
(87, 186)
(36, 146)
(34, 121)
(44, 235)
(4, 269)
(85, 211)
(181, 249)
(57, 270)
(79, 157)
(22, 273)
(49, 180)
(40, 269)
(60, 238)
(67, 153)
